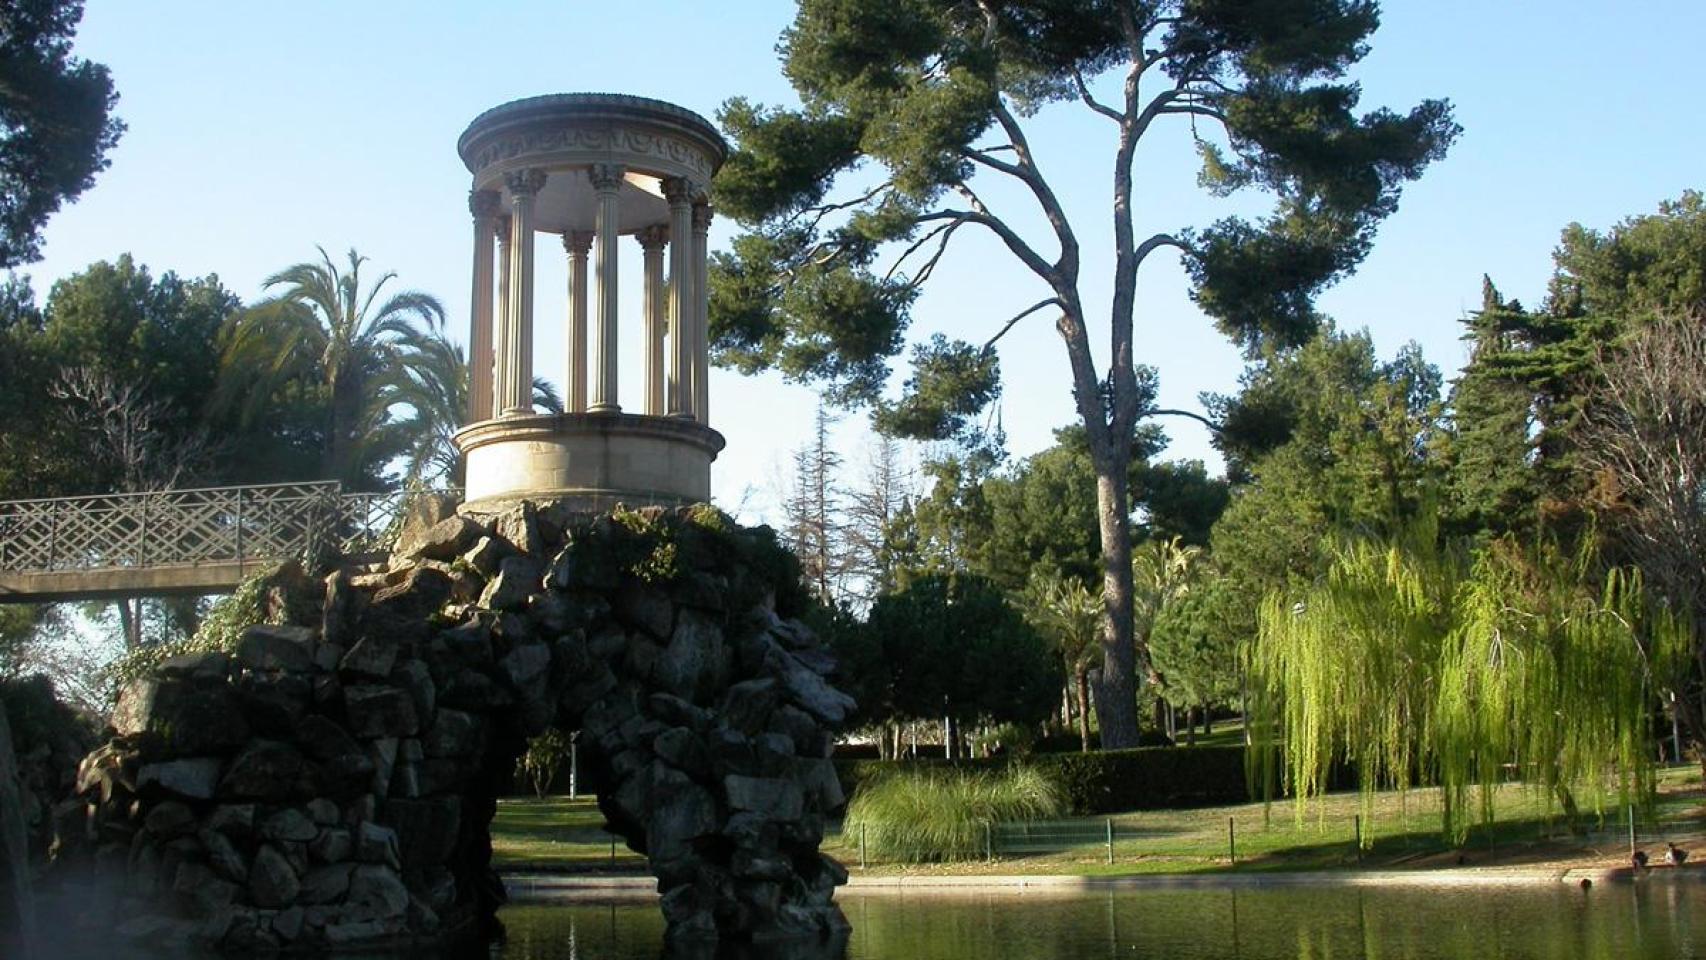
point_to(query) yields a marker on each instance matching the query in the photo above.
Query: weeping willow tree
(1414, 662)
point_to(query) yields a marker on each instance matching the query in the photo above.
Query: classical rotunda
(591, 169)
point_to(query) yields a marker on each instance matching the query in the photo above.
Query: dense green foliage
(954, 647)
(921, 814)
(56, 122)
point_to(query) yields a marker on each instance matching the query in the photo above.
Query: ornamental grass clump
(920, 816)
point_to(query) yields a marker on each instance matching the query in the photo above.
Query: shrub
(1106, 781)
(925, 815)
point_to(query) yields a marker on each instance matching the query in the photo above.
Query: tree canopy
(907, 110)
(56, 122)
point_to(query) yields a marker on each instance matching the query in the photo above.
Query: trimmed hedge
(1147, 778)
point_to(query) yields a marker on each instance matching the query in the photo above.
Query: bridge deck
(114, 582)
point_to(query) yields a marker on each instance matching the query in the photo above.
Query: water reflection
(1639, 922)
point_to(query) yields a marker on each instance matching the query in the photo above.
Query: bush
(1148, 778)
(927, 815)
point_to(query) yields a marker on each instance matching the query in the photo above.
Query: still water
(1660, 921)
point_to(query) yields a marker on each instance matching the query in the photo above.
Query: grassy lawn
(557, 833)
(562, 834)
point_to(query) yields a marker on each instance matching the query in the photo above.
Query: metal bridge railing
(208, 525)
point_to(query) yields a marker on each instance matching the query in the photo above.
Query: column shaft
(483, 204)
(679, 193)
(701, 335)
(578, 243)
(652, 240)
(606, 180)
(523, 185)
(506, 322)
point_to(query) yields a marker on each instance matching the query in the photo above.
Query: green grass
(562, 834)
(556, 833)
(1405, 834)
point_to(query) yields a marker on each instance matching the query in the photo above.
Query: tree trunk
(130, 621)
(1116, 687)
(1190, 726)
(1082, 676)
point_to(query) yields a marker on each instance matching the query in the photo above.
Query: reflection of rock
(330, 785)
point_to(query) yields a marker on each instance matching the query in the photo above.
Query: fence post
(1631, 831)
(1358, 821)
(1231, 841)
(862, 861)
(613, 849)
(142, 535)
(1110, 839)
(989, 840)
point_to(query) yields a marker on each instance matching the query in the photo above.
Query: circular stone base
(590, 460)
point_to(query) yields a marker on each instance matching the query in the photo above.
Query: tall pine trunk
(1116, 688)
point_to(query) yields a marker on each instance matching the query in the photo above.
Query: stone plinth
(588, 460)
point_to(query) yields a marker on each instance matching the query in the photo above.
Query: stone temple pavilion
(592, 169)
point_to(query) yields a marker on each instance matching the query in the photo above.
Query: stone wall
(330, 782)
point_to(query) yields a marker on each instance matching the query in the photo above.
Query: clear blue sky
(259, 130)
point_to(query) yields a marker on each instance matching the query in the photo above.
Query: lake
(1659, 920)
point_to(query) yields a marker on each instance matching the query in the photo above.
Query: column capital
(484, 204)
(606, 176)
(680, 190)
(578, 243)
(524, 183)
(701, 218)
(653, 237)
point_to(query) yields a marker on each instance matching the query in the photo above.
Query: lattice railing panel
(192, 527)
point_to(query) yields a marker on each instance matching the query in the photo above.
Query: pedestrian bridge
(184, 542)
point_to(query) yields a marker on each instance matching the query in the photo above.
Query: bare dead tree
(872, 508)
(1646, 441)
(126, 436)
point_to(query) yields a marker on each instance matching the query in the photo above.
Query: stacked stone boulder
(330, 781)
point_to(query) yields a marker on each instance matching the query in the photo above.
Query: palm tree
(323, 327)
(1065, 611)
(430, 381)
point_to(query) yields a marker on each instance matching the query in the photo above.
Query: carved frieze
(615, 141)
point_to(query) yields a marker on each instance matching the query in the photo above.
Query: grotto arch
(329, 782)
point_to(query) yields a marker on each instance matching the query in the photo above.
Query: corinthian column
(523, 186)
(652, 240)
(701, 335)
(506, 322)
(679, 192)
(578, 243)
(606, 181)
(483, 204)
